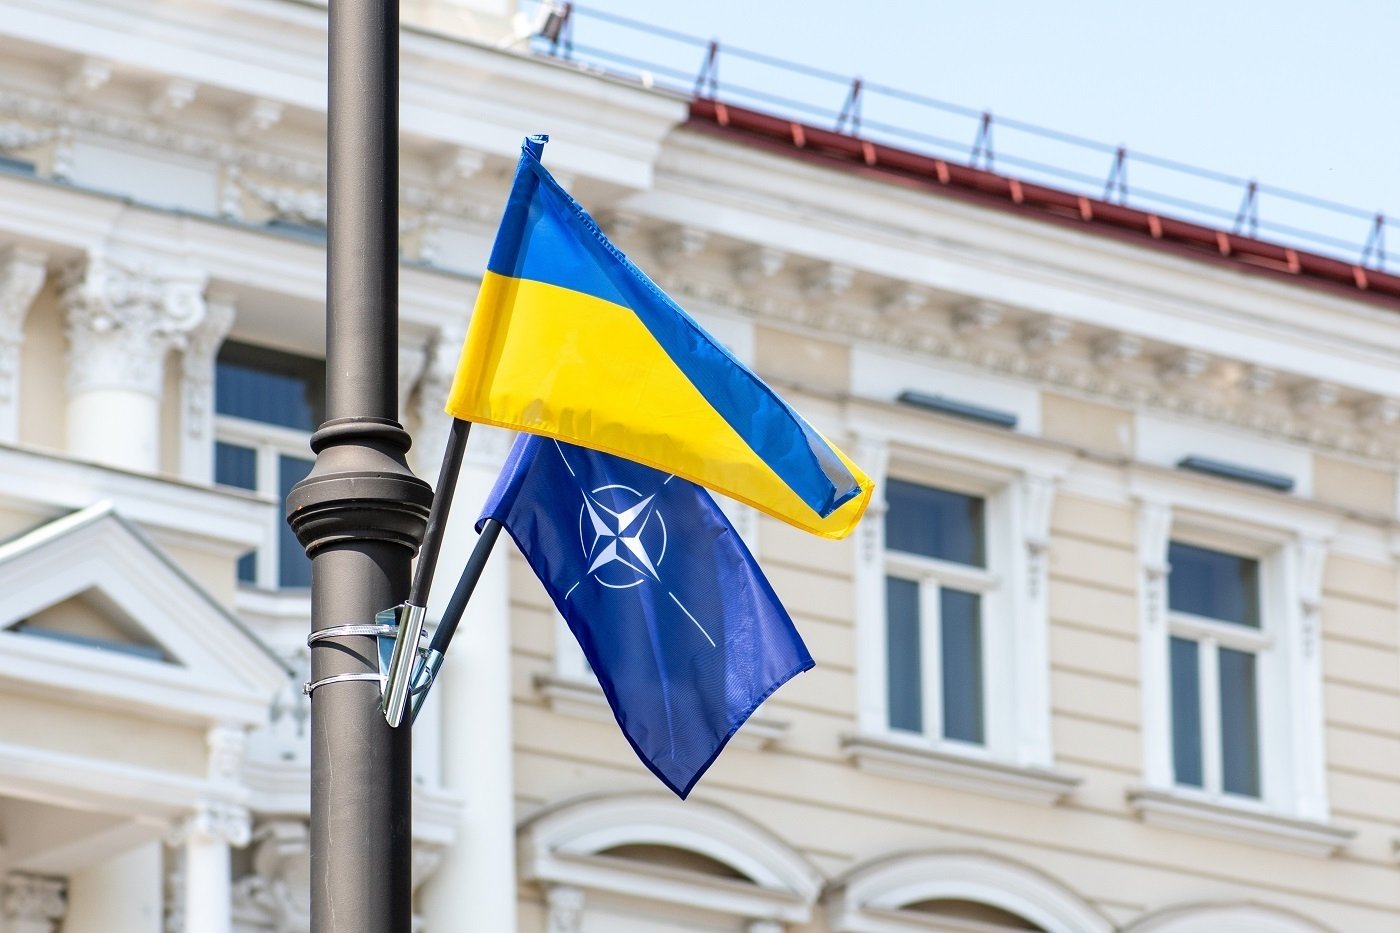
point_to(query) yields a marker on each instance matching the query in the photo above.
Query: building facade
(1117, 647)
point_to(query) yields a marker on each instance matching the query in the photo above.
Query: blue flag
(679, 624)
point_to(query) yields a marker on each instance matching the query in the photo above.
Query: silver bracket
(399, 658)
(381, 630)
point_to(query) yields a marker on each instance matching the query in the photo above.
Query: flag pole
(452, 615)
(361, 513)
(405, 667)
(452, 454)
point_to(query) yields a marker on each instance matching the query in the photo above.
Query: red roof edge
(890, 164)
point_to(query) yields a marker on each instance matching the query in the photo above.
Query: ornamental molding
(214, 821)
(1114, 367)
(293, 187)
(274, 895)
(15, 136)
(124, 315)
(32, 903)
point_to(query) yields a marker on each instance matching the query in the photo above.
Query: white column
(123, 893)
(124, 317)
(197, 389)
(21, 277)
(474, 686)
(32, 904)
(206, 837)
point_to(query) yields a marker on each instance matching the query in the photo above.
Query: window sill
(582, 697)
(1238, 823)
(961, 772)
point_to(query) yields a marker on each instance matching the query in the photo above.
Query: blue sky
(1298, 95)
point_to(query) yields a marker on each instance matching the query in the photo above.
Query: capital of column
(227, 747)
(32, 903)
(565, 909)
(215, 821)
(123, 317)
(21, 277)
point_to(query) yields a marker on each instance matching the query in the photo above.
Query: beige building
(1116, 649)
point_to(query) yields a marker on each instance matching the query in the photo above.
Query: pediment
(97, 611)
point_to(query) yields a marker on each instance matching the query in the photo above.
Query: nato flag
(684, 633)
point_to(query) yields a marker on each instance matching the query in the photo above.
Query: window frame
(270, 442)
(933, 575)
(1018, 482)
(1210, 636)
(1290, 542)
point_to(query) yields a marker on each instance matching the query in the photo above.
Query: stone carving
(678, 242)
(565, 909)
(828, 280)
(21, 277)
(32, 903)
(197, 382)
(228, 745)
(277, 892)
(214, 821)
(756, 263)
(298, 205)
(123, 317)
(1154, 531)
(14, 136)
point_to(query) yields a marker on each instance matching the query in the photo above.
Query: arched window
(619, 862)
(941, 890)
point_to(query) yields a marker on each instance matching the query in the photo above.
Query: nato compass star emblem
(623, 537)
(613, 539)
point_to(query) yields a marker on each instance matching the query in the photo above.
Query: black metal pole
(360, 513)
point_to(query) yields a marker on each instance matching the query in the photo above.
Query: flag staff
(361, 513)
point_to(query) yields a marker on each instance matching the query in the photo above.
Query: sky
(1299, 95)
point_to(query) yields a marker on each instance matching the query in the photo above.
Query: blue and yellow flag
(570, 340)
(677, 621)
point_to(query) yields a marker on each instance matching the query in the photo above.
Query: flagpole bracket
(400, 657)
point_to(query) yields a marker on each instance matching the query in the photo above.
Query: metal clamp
(310, 688)
(337, 631)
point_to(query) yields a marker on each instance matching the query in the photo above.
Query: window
(952, 635)
(936, 578)
(1231, 608)
(1216, 643)
(267, 403)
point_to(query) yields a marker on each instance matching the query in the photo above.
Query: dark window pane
(248, 568)
(1213, 584)
(1239, 723)
(293, 567)
(962, 665)
(270, 386)
(903, 664)
(1186, 712)
(935, 523)
(235, 466)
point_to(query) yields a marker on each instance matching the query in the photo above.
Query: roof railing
(917, 122)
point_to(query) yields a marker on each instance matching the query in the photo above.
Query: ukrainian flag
(570, 340)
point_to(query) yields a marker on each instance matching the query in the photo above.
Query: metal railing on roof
(706, 69)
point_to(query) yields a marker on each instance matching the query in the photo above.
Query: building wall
(181, 186)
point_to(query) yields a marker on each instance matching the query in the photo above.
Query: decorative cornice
(1114, 367)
